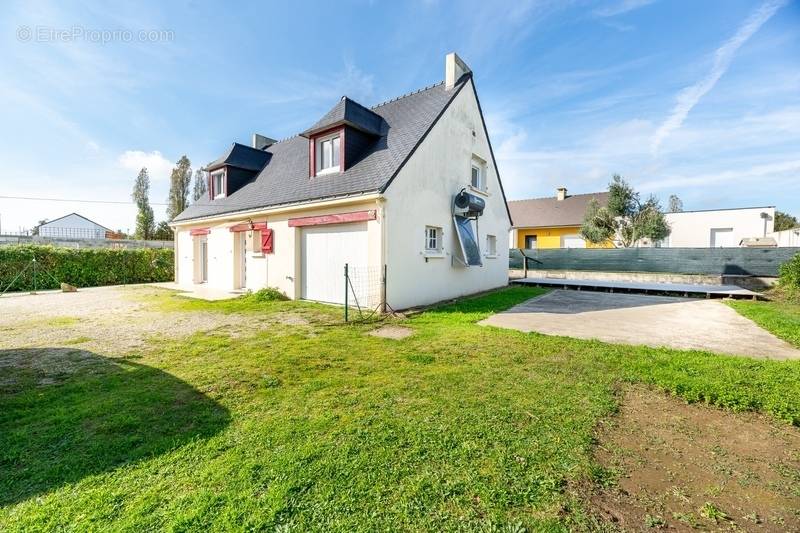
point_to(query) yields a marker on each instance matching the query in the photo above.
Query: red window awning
(337, 218)
(200, 231)
(258, 226)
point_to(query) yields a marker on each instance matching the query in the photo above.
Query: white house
(718, 228)
(73, 226)
(364, 187)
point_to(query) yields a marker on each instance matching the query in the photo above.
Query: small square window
(491, 245)
(478, 174)
(433, 239)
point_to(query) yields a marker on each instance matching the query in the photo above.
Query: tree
(785, 221)
(145, 220)
(35, 230)
(163, 232)
(625, 219)
(179, 182)
(199, 185)
(675, 204)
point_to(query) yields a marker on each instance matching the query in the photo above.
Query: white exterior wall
(280, 269)
(421, 195)
(72, 226)
(692, 229)
(787, 237)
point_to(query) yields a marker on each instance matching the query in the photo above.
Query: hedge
(83, 267)
(790, 275)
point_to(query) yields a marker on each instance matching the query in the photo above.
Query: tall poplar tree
(145, 220)
(179, 182)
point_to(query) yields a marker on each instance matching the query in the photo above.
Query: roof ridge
(554, 197)
(389, 101)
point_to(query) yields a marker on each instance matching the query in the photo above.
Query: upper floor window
(478, 173)
(328, 151)
(218, 184)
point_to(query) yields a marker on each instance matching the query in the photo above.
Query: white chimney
(454, 68)
(561, 194)
(260, 141)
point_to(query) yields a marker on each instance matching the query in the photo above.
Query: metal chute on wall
(466, 209)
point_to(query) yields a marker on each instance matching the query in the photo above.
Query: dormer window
(328, 150)
(218, 188)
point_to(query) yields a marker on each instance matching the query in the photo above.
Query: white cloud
(773, 171)
(158, 166)
(92, 146)
(690, 96)
(621, 7)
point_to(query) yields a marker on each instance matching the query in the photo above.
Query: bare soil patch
(691, 467)
(392, 332)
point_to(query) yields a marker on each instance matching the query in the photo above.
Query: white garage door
(574, 241)
(722, 238)
(325, 251)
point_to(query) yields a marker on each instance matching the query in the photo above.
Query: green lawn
(781, 317)
(321, 427)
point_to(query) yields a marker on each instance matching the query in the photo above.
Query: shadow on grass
(67, 414)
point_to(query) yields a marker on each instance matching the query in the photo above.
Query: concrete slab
(657, 321)
(200, 291)
(733, 291)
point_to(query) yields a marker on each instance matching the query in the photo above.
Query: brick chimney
(561, 194)
(454, 68)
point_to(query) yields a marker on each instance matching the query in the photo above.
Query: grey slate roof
(547, 212)
(285, 178)
(242, 156)
(349, 112)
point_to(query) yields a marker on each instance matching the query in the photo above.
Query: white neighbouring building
(366, 187)
(718, 228)
(73, 226)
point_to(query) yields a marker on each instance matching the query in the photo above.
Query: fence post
(383, 290)
(346, 281)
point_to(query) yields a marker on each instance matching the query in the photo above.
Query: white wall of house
(280, 269)
(421, 196)
(719, 228)
(72, 226)
(787, 237)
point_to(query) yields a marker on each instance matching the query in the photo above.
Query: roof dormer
(341, 137)
(234, 170)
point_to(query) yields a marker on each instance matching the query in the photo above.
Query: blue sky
(700, 99)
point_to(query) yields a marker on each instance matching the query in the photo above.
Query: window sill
(328, 171)
(219, 197)
(433, 255)
(482, 192)
(492, 256)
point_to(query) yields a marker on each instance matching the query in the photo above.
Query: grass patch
(325, 428)
(779, 317)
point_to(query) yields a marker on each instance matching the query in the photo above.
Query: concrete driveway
(658, 321)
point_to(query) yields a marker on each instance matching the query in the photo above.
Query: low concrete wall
(748, 282)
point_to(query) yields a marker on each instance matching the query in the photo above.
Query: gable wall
(421, 195)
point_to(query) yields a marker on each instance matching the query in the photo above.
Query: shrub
(267, 294)
(790, 275)
(82, 267)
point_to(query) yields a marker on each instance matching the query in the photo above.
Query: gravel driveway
(683, 323)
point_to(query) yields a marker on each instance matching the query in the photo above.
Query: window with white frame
(491, 245)
(218, 183)
(433, 239)
(328, 152)
(478, 173)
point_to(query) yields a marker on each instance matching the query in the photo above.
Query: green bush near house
(790, 275)
(83, 267)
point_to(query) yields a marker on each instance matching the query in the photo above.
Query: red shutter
(267, 241)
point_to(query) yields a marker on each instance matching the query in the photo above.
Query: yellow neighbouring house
(553, 222)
